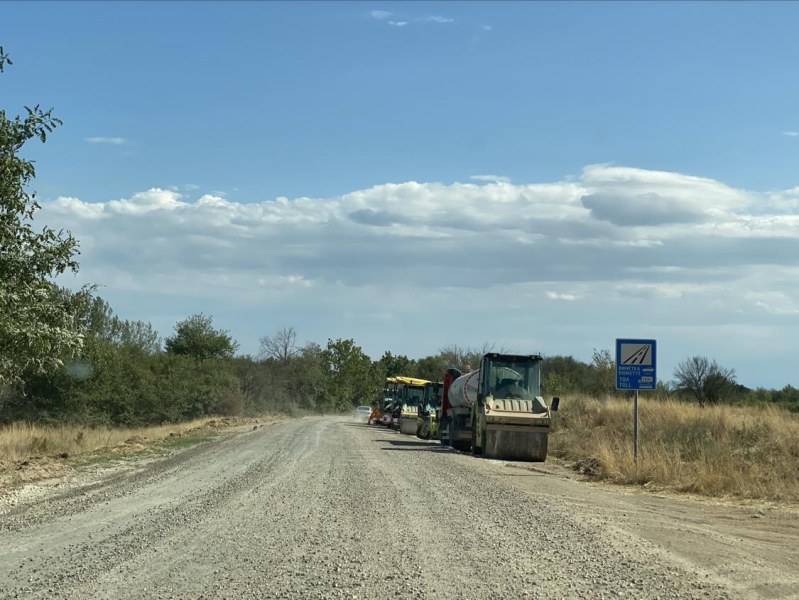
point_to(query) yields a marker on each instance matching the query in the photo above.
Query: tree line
(125, 374)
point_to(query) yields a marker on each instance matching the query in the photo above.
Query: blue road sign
(635, 365)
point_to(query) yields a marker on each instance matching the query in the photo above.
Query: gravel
(325, 508)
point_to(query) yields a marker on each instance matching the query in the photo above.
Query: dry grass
(735, 451)
(22, 441)
(31, 452)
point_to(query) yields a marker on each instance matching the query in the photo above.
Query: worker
(375, 416)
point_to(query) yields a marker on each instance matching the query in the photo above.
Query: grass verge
(719, 451)
(30, 452)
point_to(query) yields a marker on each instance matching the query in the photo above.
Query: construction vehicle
(410, 393)
(497, 410)
(387, 401)
(427, 420)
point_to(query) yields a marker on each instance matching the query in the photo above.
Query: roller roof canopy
(409, 380)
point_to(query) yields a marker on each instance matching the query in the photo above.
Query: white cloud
(649, 251)
(114, 141)
(388, 17)
(496, 178)
(778, 303)
(438, 19)
(561, 296)
(791, 133)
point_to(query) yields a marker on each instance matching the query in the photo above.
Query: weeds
(737, 451)
(22, 441)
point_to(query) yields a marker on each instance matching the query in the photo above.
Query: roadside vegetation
(21, 441)
(721, 450)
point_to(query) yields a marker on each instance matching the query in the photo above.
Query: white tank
(463, 391)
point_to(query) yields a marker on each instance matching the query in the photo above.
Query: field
(720, 451)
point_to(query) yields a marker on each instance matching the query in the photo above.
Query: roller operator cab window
(514, 379)
(413, 396)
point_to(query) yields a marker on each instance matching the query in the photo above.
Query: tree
(392, 365)
(352, 378)
(101, 323)
(431, 368)
(705, 379)
(456, 357)
(37, 326)
(565, 374)
(282, 346)
(604, 372)
(196, 336)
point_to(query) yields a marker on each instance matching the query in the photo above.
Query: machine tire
(476, 450)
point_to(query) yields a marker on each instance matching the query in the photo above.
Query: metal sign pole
(636, 364)
(635, 429)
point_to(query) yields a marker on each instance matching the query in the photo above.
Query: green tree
(196, 336)
(101, 323)
(431, 368)
(392, 365)
(565, 375)
(37, 326)
(352, 378)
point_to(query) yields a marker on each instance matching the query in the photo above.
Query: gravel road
(325, 508)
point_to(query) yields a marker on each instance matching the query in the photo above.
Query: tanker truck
(497, 410)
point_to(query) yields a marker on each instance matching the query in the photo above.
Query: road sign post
(636, 363)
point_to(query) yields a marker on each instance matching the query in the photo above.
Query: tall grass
(21, 441)
(736, 451)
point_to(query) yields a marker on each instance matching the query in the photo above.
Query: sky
(544, 177)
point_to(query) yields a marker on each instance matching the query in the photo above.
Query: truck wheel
(476, 450)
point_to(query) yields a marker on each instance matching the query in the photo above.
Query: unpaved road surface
(324, 508)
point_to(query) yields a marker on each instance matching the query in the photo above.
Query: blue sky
(553, 174)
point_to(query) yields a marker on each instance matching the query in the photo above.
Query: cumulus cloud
(657, 248)
(609, 221)
(114, 141)
(643, 209)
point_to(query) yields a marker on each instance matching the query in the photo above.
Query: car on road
(361, 414)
